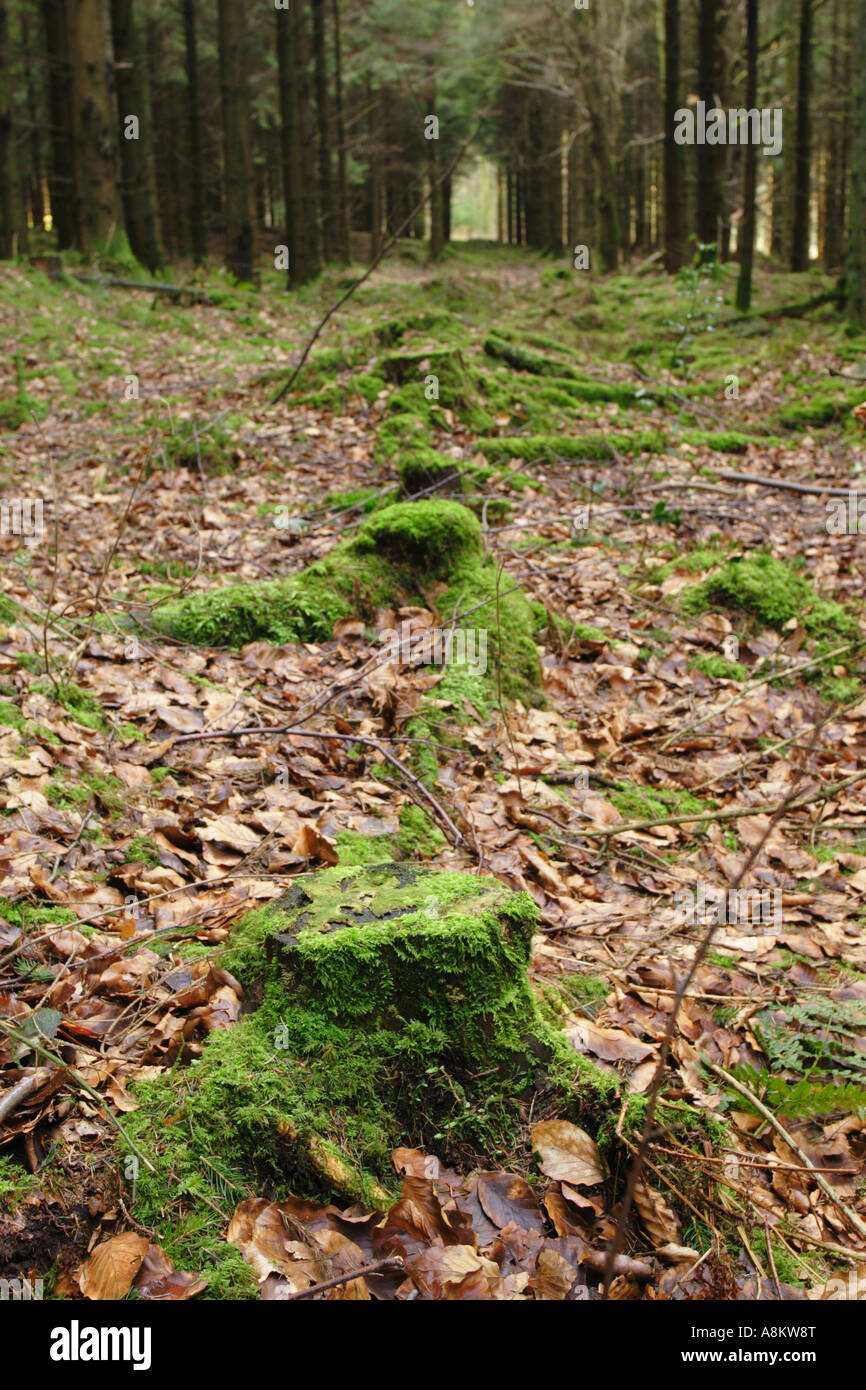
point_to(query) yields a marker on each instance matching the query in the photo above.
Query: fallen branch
(703, 818)
(394, 1262)
(33, 1046)
(151, 287)
(11, 1099)
(346, 738)
(816, 488)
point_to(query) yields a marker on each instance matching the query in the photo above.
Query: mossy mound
(774, 593)
(395, 556)
(587, 446)
(392, 1006)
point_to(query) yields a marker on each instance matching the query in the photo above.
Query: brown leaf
(158, 1278)
(660, 1221)
(110, 1270)
(312, 844)
(567, 1153)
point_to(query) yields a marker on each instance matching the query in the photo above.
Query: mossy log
(394, 557)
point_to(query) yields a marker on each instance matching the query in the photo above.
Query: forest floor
(595, 425)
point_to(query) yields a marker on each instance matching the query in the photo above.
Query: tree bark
(675, 240)
(193, 125)
(709, 157)
(750, 165)
(97, 212)
(138, 185)
(290, 134)
(240, 238)
(13, 231)
(343, 236)
(802, 143)
(61, 187)
(856, 272)
(312, 223)
(325, 126)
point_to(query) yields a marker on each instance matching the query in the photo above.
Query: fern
(817, 1034)
(804, 1098)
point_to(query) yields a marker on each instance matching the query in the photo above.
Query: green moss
(215, 452)
(650, 803)
(773, 592)
(396, 554)
(818, 411)
(421, 468)
(143, 851)
(725, 441)
(105, 788)
(523, 359)
(393, 1008)
(84, 708)
(418, 837)
(719, 668)
(26, 915)
(355, 848)
(588, 446)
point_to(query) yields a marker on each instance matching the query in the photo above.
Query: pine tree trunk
(374, 139)
(750, 165)
(299, 268)
(61, 187)
(138, 186)
(856, 273)
(240, 239)
(94, 145)
(325, 126)
(802, 143)
(36, 182)
(343, 223)
(193, 126)
(709, 163)
(311, 207)
(675, 241)
(13, 230)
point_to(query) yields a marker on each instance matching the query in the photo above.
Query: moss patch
(774, 593)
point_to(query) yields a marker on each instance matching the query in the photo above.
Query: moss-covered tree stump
(390, 1006)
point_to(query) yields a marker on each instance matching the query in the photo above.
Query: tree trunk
(343, 223)
(299, 268)
(36, 182)
(856, 278)
(193, 125)
(802, 142)
(675, 240)
(94, 146)
(325, 126)
(709, 157)
(12, 226)
(61, 186)
(138, 185)
(240, 240)
(312, 223)
(750, 165)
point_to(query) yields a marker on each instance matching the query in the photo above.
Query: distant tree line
(228, 131)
